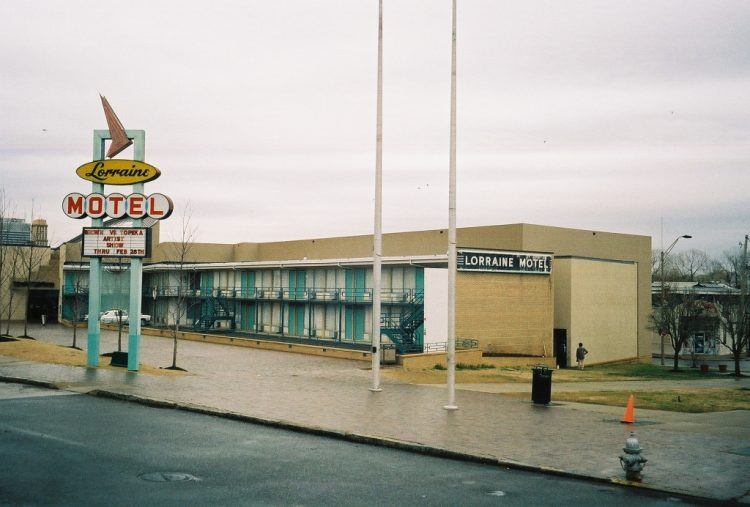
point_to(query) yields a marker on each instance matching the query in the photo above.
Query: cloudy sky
(604, 115)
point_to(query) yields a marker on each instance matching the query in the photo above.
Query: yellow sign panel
(118, 172)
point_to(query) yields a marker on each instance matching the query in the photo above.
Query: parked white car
(112, 317)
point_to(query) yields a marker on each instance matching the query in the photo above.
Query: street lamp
(664, 253)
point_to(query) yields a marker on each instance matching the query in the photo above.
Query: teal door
(355, 284)
(355, 323)
(207, 283)
(296, 319)
(297, 281)
(419, 299)
(247, 284)
(247, 316)
(70, 285)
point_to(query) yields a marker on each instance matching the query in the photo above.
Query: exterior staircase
(213, 310)
(402, 327)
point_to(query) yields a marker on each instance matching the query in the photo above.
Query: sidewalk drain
(167, 477)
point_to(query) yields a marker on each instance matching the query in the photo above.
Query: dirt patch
(41, 352)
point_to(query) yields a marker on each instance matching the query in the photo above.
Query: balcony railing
(313, 294)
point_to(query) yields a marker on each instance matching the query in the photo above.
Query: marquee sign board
(494, 261)
(136, 206)
(118, 172)
(115, 242)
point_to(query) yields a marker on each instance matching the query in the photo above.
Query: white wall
(435, 305)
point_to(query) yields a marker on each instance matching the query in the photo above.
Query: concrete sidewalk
(705, 455)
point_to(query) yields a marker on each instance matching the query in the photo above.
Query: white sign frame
(124, 243)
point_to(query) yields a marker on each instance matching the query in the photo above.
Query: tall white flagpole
(452, 233)
(378, 236)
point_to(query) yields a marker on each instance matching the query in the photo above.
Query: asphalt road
(68, 449)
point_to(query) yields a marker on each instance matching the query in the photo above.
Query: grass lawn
(676, 400)
(603, 373)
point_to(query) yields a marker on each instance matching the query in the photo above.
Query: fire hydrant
(632, 461)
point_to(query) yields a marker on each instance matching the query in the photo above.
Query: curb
(28, 381)
(413, 447)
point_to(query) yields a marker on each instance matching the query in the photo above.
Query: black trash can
(541, 385)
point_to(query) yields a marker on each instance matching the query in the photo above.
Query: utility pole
(664, 254)
(743, 287)
(663, 302)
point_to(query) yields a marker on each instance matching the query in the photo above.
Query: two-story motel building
(522, 289)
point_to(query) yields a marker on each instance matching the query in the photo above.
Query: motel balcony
(314, 295)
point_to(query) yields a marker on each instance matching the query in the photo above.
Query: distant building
(706, 339)
(14, 231)
(39, 232)
(21, 291)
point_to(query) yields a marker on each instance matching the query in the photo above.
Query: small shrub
(439, 367)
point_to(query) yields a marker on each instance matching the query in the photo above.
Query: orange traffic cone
(629, 416)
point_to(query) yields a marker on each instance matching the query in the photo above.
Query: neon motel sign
(115, 205)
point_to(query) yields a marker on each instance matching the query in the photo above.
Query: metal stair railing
(215, 308)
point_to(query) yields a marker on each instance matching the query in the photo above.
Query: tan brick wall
(507, 313)
(603, 245)
(561, 281)
(604, 310)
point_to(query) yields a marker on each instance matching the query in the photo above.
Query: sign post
(129, 242)
(136, 278)
(136, 264)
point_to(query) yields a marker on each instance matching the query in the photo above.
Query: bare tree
(734, 319)
(12, 265)
(670, 269)
(691, 263)
(8, 262)
(731, 263)
(178, 253)
(78, 291)
(678, 319)
(31, 257)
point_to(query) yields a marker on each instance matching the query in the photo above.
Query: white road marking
(35, 434)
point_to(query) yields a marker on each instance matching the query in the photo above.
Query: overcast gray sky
(604, 115)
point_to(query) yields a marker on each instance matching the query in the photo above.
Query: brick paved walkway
(686, 452)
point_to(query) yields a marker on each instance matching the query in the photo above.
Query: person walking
(581, 355)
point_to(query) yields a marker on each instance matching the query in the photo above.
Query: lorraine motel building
(521, 290)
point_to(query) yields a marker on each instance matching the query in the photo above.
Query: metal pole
(664, 254)
(663, 302)
(743, 287)
(378, 239)
(452, 232)
(95, 265)
(136, 272)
